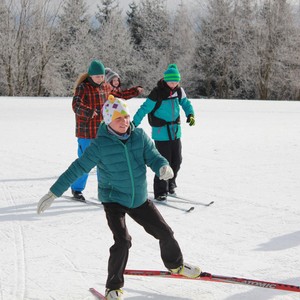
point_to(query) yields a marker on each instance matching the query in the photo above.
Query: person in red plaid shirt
(114, 80)
(91, 91)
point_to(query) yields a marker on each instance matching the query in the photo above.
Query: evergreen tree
(74, 41)
(276, 50)
(182, 47)
(132, 21)
(114, 46)
(214, 52)
(150, 30)
(105, 10)
(244, 75)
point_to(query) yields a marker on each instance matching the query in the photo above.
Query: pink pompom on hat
(114, 108)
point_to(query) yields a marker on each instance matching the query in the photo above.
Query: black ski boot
(78, 196)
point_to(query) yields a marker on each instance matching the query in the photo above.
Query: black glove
(191, 120)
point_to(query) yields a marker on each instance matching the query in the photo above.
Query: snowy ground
(243, 155)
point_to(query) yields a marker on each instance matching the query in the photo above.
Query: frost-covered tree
(41, 72)
(74, 42)
(26, 46)
(215, 55)
(276, 50)
(132, 22)
(150, 30)
(248, 49)
(7, 40)
(112, 40)
(105, 9)
(183, 45)
(244, 74)
(240, 48)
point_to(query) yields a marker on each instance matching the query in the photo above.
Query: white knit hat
(114, 108)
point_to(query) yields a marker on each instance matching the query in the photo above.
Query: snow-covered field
(243, 155)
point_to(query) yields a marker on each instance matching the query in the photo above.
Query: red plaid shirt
(88, 99)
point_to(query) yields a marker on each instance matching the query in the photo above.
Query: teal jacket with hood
(121, 167)
(169, 110)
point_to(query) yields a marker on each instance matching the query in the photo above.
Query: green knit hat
(96, 68)
(172, 74)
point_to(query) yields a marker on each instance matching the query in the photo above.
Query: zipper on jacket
(130, 172)
(173, 118)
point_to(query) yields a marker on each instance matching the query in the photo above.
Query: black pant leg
(161, 187)
(172, 151)
(176, 159)
(115, 215)
(148, 216)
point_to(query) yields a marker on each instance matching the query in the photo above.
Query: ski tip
(210, 203)
(97, 294)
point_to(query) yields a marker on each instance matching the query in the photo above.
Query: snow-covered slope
(243, 155)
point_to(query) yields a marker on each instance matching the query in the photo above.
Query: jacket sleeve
(80, 166)
(186, 104)
(144, 109)
(78, 105)
(153, 158)
(127, 93)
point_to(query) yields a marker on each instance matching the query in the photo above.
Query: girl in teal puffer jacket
(121, 153)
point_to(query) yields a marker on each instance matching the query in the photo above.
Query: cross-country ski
(97, 294)
(178, 199)
(218, 278)
(174, 206)
(86, 201)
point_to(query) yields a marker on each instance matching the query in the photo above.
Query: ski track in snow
(18, 259)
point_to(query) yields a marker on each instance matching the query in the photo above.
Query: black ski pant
(148, 216)
(172, 151)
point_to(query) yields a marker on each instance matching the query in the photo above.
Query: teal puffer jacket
(121, 167)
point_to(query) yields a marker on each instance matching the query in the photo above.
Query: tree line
(227, 49)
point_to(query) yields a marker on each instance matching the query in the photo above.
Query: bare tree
(26, 45)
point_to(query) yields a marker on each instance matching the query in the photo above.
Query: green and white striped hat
(172, 74)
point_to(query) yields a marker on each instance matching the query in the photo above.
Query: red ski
(97, 294)
(218, 278)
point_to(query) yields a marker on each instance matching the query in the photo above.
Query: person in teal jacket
(121, 153)
(163, 109)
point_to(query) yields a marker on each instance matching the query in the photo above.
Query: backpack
(157, 122)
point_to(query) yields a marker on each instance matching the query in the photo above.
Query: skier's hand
(94, 114)
(140, 89)
(45, 202)
(191, 120)
(165, 173)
